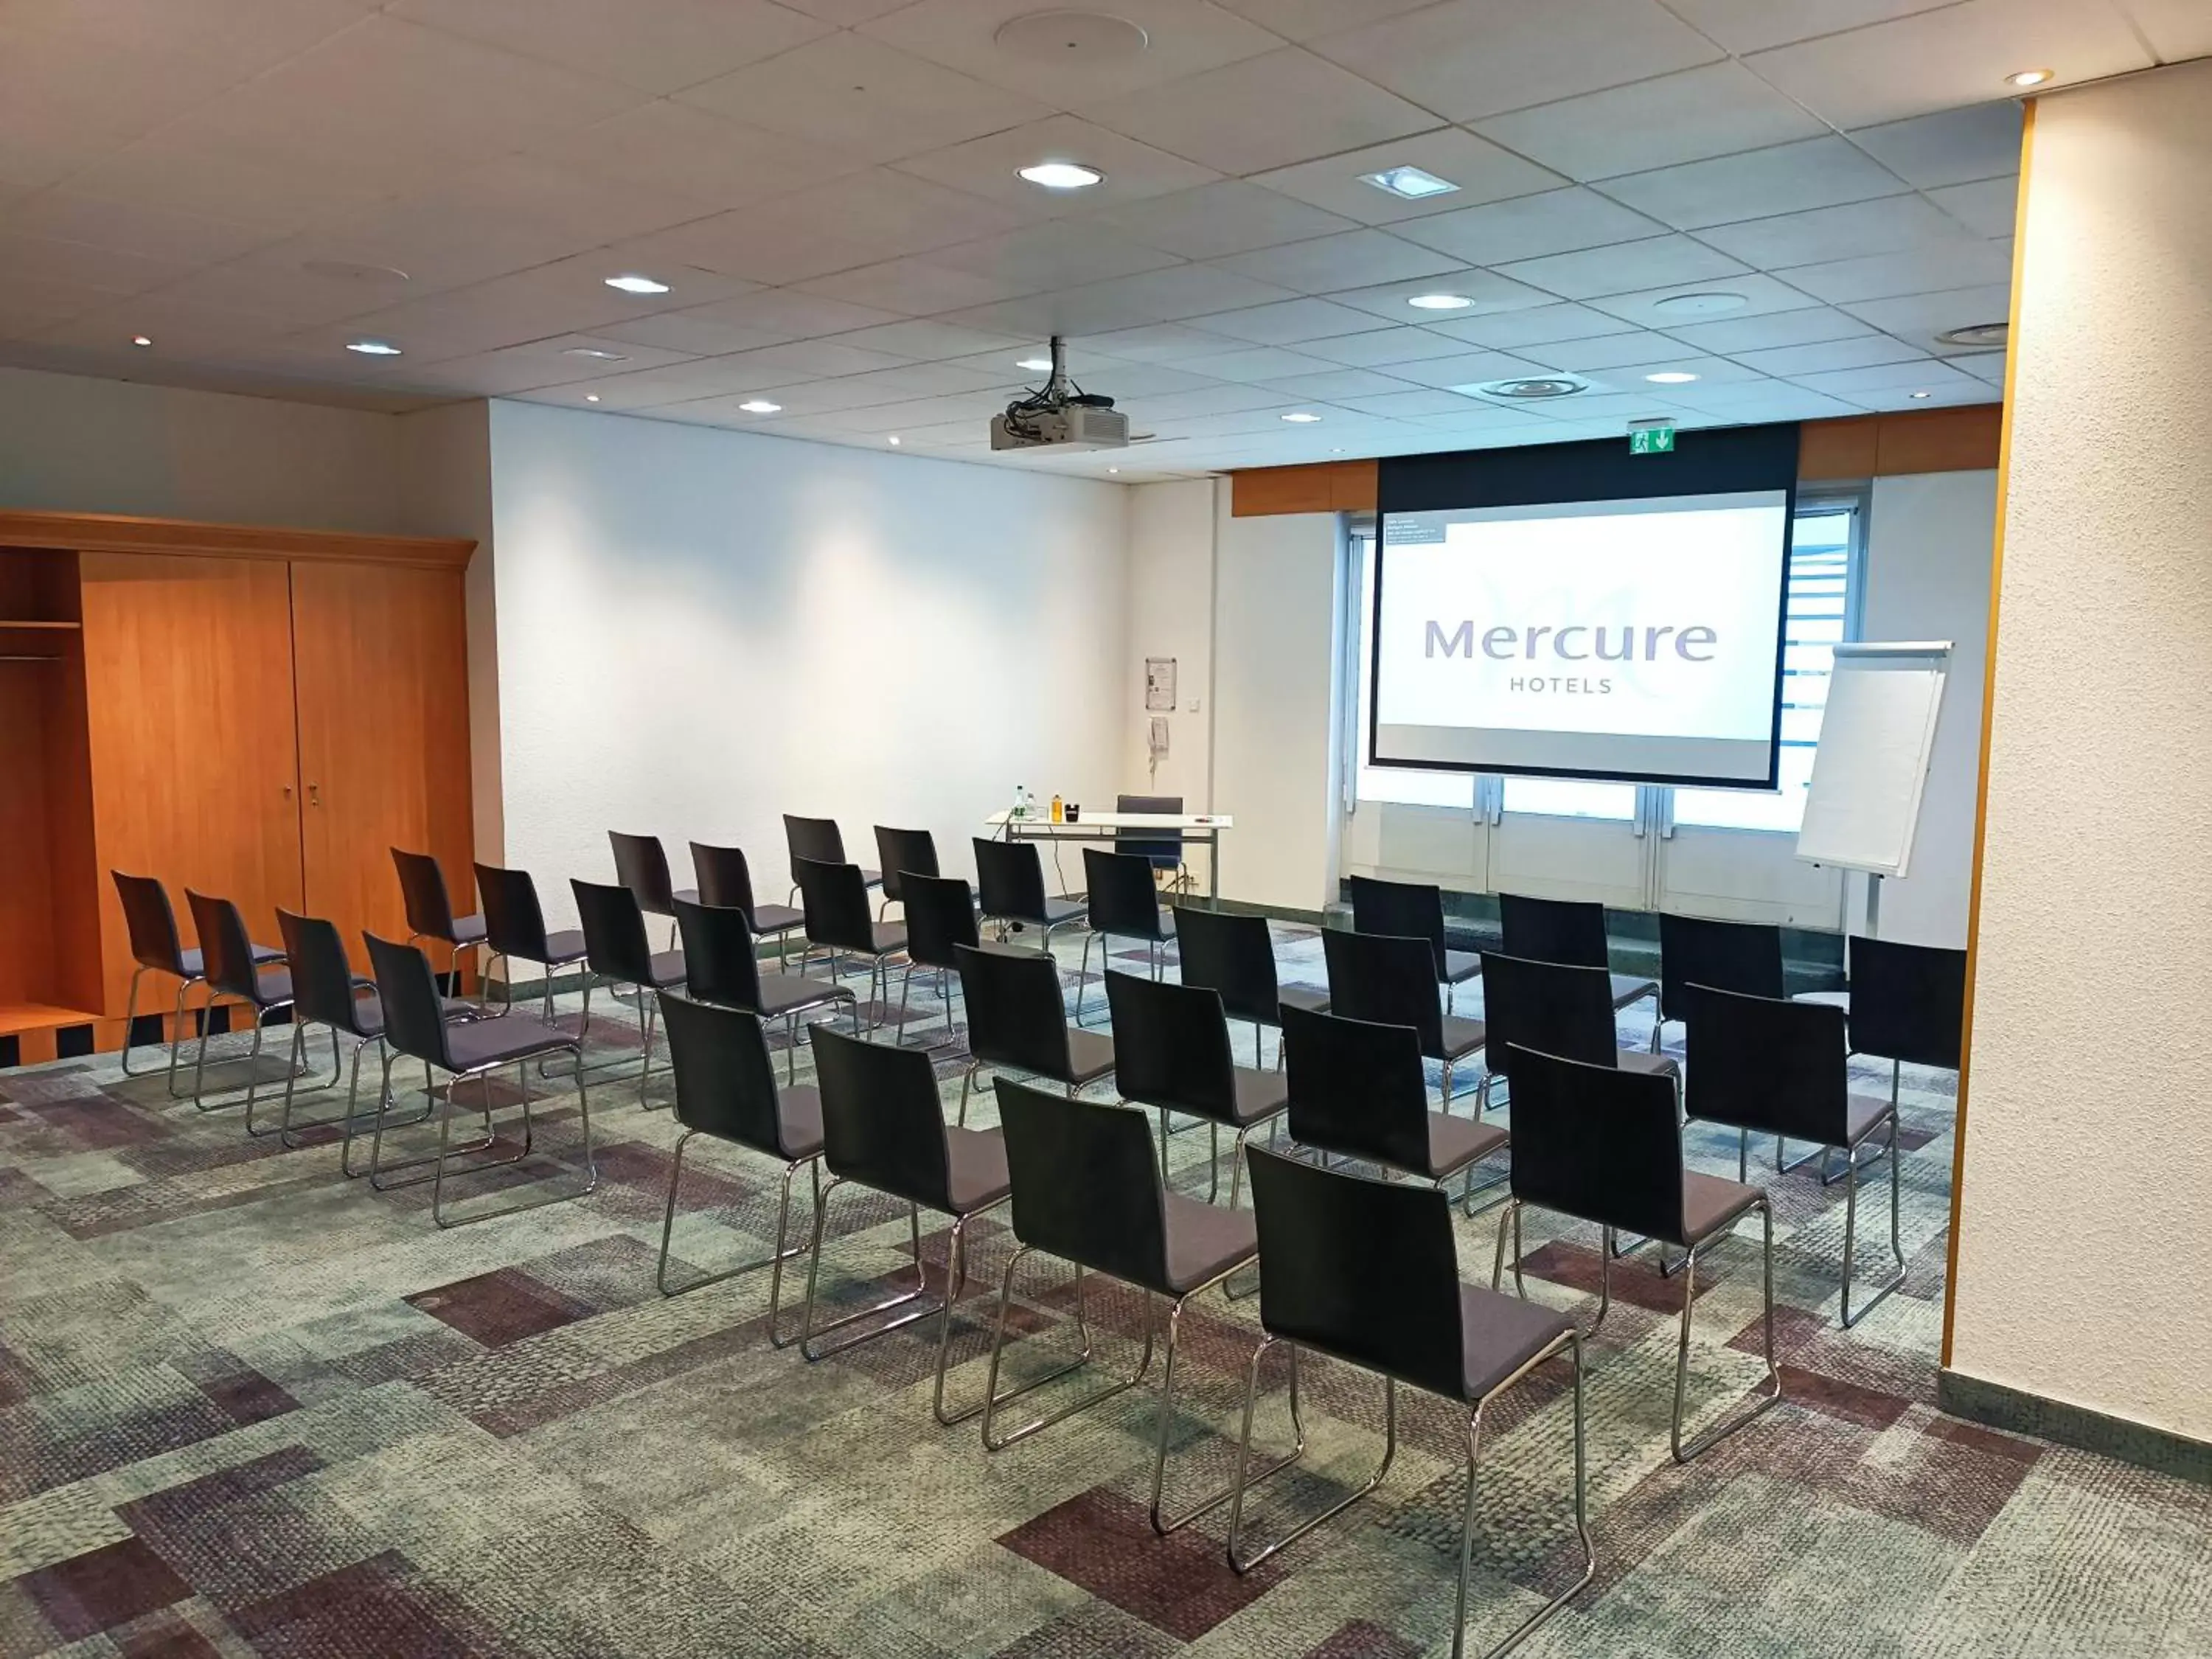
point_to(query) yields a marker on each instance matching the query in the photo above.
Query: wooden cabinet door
(188, 685)
(383, 683)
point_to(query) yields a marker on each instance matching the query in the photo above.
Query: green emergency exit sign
(1652, 441)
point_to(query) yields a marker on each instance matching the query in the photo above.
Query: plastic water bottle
(1020, 802)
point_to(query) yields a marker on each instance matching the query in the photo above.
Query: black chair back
(643, 866)
(1356, 1088)
(835, 899)
(725, 1080)
(1085, 1187)
(1548, 1007)
(1010, 880)
(883, 1124)
(422, 888)
(818, 839)
(1597, 1143)
(1403, 909)
(1387, 980)
(1161, 849)
(940, 917)
(1571, 930)
(1729, 956)
(1120, 896)
(1767, 1064)
(1908, 1001)
(514, 922)
(1017, 1014)
(1360, 1270)
(322, 978)
(615, 945)
(719, 964)
(227, 953)
(721, 877)
(414, 1013)
(903, 852)
(151, 922)
(1171, 1047)
(1233, 956)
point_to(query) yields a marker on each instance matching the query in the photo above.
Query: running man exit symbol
(1652, 441)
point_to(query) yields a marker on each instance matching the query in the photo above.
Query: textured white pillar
(2084, 1239)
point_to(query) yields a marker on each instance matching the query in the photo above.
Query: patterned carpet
(248, 1407)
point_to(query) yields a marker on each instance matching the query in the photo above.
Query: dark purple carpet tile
(49, 1450)
(1636, 1278)
(500, 1307)
(48, 1085)
(1094, 1631)
(103, 1589)
(381, 1608)
(1104, 1542)
(18, 1382)
(603, 1274)
(96, 1121)
(1361, 1640)
(164, 1636)
(100, 1215)
(409, 1359)
(1810, 1340)
(235, 1536)
(242, 1393)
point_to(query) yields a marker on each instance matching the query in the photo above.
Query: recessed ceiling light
(373, 348)
(1976, 334)
(761, 406)
(630, 283)
(1923, 394)
(2028, 77)
(1700, 305)
(1063, 175)
(1113, 469)
(894, 437)
(1035, 365)
(1670, 377)
(140, 340)
(1440, 303)
(595, 353)
(1302, 417)
(591, 397)
(1409, 183)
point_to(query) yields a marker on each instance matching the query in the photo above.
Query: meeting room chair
(820, 840)
(1569, 930)
(1234, 957)
(1124, 904)
(415, 1026)
(1390, 980)
(1086, 1191)
(1009, 890)
(1171, 1055)
(641, 865)
(327, 992)
(835, 899)
(902, 852)
(1367, 1272)
(515, 931)
(720, 967)
(151, 925)
(1017, 1023)
(1730, 956)
(1555, 1009)
(430, 911)
(1357, 1090)
(235, 973)
(1768, 1066)
(941, 918)
(1161, 849)
(884, 1129)
(1411, 907)
(725, 883)
(617, 953)
(1603, 1145)
(725, 1090)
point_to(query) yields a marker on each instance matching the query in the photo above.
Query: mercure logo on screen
(1571, 642)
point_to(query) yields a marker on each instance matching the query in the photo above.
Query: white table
(1203, 828)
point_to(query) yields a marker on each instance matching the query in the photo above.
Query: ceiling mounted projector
(1061, 416)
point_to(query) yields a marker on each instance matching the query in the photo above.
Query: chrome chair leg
(1850, 1229)
(1161, 1526)
(807, 1331)
(1760, 1403)
(993, 1400)
(131, 1018)
(591, 1173)
(296, 1068)
(966, 1077)
(1082, 969)
(773, 1261)
(1242, 1564)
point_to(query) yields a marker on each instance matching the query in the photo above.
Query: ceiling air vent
(1976, 334)
(1533, 387)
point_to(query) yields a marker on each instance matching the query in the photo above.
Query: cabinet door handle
(314, 795)
(288, 791)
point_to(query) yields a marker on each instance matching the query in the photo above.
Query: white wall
(1170, 574)
(75, 445)
(2085, 1230)
(701, 630)
(1928, 578)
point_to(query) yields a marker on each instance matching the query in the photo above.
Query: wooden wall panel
(27, 919)
(1963, 440)
(382, 681)
(188, 677)
(1835, 451)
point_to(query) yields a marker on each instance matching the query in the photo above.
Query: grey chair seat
(194, 961)
(1461, 966)
(1302, 996)
(1259, 1094)
(1634, 1059)
(780, 993)
(1203, 1241)
(975, 1168)
(1090, 1056)
(799, 1121)
(468, 930)
(272, 987)
(564, 947)
(871, 878)
(888, 937)
(1627, 988)
(776, 918)
(1499, 1334)
(1057, 910)
(1862, 1117)
(1710, 1205)
(1828, 999)
(488, 1042)
(667, 968)
(1461, 1037)
(688, 894)
(1455, 1143)
(368, 1011)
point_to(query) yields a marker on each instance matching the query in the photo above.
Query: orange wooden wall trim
(1959, 440)
(103, 532)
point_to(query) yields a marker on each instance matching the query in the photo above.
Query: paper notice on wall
(1160, 684)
